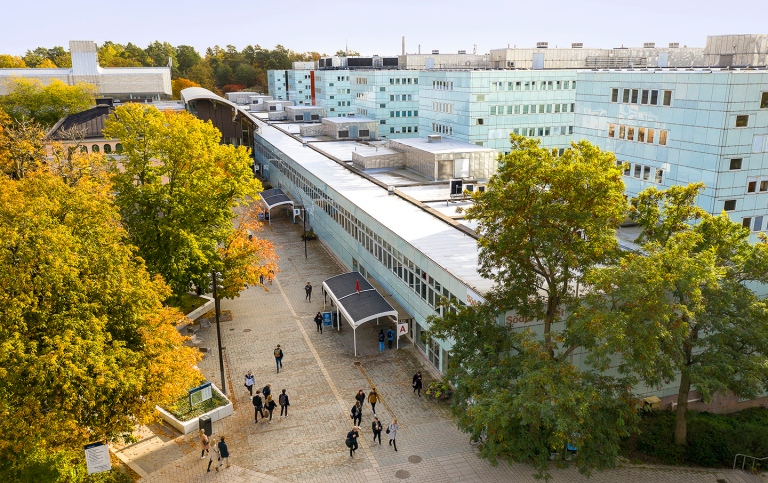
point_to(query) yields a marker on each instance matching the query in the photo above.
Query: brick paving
(321, 376)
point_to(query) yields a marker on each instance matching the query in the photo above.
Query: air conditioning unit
(542, 45)
(577, 45)
(674, 45)
(510, 64)
(462, 52)
(435, 52)
(649, 45)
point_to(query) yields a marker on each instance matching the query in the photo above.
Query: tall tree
(86, 348)
(543, 221)
(22, 148)
(29, 99)
(177, 190)
(187, 57)
(682, 311)
(11, 62)
(178, 85)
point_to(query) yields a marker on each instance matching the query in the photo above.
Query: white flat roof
(446, 246)
(445, 145)
(342, 120)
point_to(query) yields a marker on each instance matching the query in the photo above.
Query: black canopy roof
(275, 197)
(360, 306)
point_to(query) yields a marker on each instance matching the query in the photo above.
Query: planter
(186, 427)
(202, 309)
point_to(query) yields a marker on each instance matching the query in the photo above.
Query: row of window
(416, 279)
(442, 85)
(343, 103)
(404, 80)
(540, 131)
(753, 223)
(362, 112)
(404, 129)
(641, 171)
(760, 143)
(753, 183)
(442, 128)
(648, 97)
(403, 113)
(107, 148)
(531, 109)
(446, 107)
(401, 97)
(638, 134)
(363, 133)
(533, 85)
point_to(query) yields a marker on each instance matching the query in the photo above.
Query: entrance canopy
(357, 300)
(273, 198)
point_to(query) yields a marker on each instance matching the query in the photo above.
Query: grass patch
(182, 411)
(185, 302)
(712, 439)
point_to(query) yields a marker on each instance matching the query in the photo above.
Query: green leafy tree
(682, 310)
(86, 348)
(246, 75)
(28, 99)
(186, 57)
(161, 53)
(544, 220)
(202, 74)
(177, 190)
(56, 55)
(347, 53)
(224, 75)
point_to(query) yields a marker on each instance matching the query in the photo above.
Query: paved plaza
(321, 376)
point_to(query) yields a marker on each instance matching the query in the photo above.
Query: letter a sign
(402, 329)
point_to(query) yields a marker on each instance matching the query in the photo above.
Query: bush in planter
(308, 235)
(439, 389)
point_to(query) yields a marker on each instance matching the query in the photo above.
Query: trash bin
(205, 424)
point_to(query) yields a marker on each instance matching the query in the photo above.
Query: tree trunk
(681, 423)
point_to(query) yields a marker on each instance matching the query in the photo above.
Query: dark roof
(275, 197)
(91, 120)
(358, 307)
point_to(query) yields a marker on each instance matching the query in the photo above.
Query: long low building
(122, 83)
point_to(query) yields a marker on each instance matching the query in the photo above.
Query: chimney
(403, 44)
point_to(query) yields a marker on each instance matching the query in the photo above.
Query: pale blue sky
(376, 27)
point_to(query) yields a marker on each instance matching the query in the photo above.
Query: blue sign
(199, 394)
(327, 321)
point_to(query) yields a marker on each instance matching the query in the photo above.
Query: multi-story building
(674, 127)
(277, 84)
(389, 96)
(484, 107)
(333, 92)
(300, 87)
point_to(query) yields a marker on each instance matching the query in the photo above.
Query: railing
(754, 459)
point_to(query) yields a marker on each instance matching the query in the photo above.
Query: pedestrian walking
(373, 398)
(356, 413)
(223, 453)
(381, 340)
(308, 292)
(205, 443)
(266, 391)
(258, 405)
(351, 441)
(261, 279)
(278, 358)
(249, 382)
(390, 337)
(270, 405)
(271, 276)
(376, 428)
(284, 403)
(392, 432)
(417, 382)
(319, 322)
(360, 397)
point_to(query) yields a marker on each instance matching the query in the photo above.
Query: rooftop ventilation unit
(435, 52)
(462, 52)
(649, 45)
(542, 45)
(577, 45)
(434, 138)
(674, 45)
(510, 64)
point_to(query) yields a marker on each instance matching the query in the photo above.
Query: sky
(376, 27)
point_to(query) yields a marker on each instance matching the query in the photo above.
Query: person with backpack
(278, 352)
(390, 337)
(258, 406)
(270, 405)
(381, 340)
(319, 322)
(284, 403)
(360, 397)
(266, 391)
(351, 441)
(373, 398)
(308, 292)
(356, 413)
(249, 382)
(376, 428)
(417, 382)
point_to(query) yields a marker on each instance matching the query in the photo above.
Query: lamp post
(217, 306)
(304, 219)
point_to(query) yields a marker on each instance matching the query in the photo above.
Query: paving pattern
(321, 376)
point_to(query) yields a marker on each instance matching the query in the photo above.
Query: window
(84, 149)
(625, 95)
(646, 173)
(391, 130)
(343, 134)
(654, 98)
(107, 149)
(383, 121)
(614, 95)
(95, 148)
(742, 121)
(634, 96)
(630, 133)
(746, 222)
(627, 168)
(751, 185)
(764, 185)
(118, 148)
(758, 224)
(638, 169)
(667, 98)
(611, 130)
(729, 205)
(622, 131)
(364, 133)
(764, 100)
(525, 109)
(735, 164)
(662, 138)
(649, 137)
(644, 98)
(659, 176)
(480, 121)
(641, 134)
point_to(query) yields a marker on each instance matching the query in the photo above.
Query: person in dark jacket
(417, 382)
(223, 453)
(270, 405)
(258, 406)
(319, 322)
(352, 441)
(357, 414)
(376, 428)
(390, 337)
(381, 340)
(360, 397)
(284, 403)
(267, 390)
(278, 352)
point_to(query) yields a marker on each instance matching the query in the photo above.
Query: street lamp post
(304, 219)
(216, 303)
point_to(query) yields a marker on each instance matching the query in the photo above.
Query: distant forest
(220, 69)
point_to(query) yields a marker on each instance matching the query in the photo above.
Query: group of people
(263, 401)
(220, 450)
(356, 413)
(390, 338)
